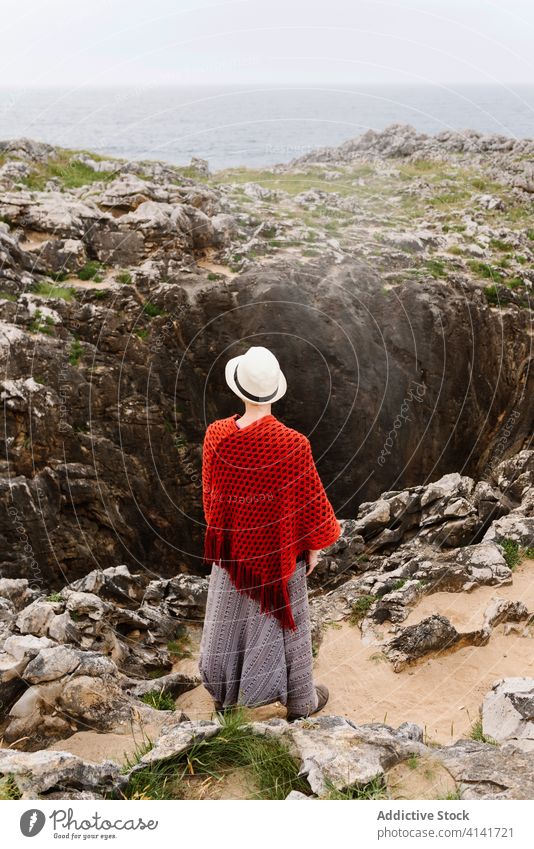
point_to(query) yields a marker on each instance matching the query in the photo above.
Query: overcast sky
(143, 42)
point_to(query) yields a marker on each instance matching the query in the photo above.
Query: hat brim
(229, 370)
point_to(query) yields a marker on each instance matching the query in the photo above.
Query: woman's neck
(253, 413)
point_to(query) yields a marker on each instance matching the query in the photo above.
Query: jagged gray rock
(50, 774)
(508, 712)
(484, 771)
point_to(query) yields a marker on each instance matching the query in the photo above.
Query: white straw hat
(256, 376)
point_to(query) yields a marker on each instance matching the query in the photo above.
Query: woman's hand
(313, 557)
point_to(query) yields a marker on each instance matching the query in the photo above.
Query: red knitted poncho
(265, 506)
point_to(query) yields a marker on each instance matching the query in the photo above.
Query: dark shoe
(322, 696)
(220, 708)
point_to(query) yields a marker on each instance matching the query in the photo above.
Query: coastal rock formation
(393, 277)
(125, 286)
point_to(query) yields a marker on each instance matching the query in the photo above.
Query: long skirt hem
(247, 658)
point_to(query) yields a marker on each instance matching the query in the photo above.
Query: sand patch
(442, 694)
(420, 778)
(95, 747)
(215, 267)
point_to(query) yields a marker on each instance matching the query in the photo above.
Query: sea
(233, 126)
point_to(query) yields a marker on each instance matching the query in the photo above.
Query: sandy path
(442, 694)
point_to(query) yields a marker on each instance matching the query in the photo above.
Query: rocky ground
(95, 670)
(402, 261)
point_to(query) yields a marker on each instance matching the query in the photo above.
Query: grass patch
(132, 760)
(476, 733)
(152, 310)
(436, 267)
(265, 763)
(360, 608)
(124, 277)
(374, 789)
(499, 245)
(92, 270)
(483, 269)
(8, 789)
(492, 295)
(72, 174)
(76, 352)
(448, 198)
(452, 794)
(41, 324)
(511, 552)
(52, 290)
(180, 647)
(159, 700)
(7, 296)
(54, 597)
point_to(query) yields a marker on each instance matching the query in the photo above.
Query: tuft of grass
(374, 789)
(360, 608)
(7, 296)
(52, 290)
(76, 352)
(436, 268)
(152, 310)
(71, 174)
(180, 647)
(476, 733)
(159, 700)
(124, 277)
(492, 295)
(500, 245)
(54, 597)
(264, 762)
(482, 269)
(452, 794)
(9, 790)
(41, 324)
(58, 276)
(133, 759)
(511, 553)
(92, 270)
(413, 761)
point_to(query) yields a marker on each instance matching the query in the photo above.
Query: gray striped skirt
(247, 658)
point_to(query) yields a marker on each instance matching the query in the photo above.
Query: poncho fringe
(273, 597)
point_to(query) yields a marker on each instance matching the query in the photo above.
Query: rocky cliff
(392, 276)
